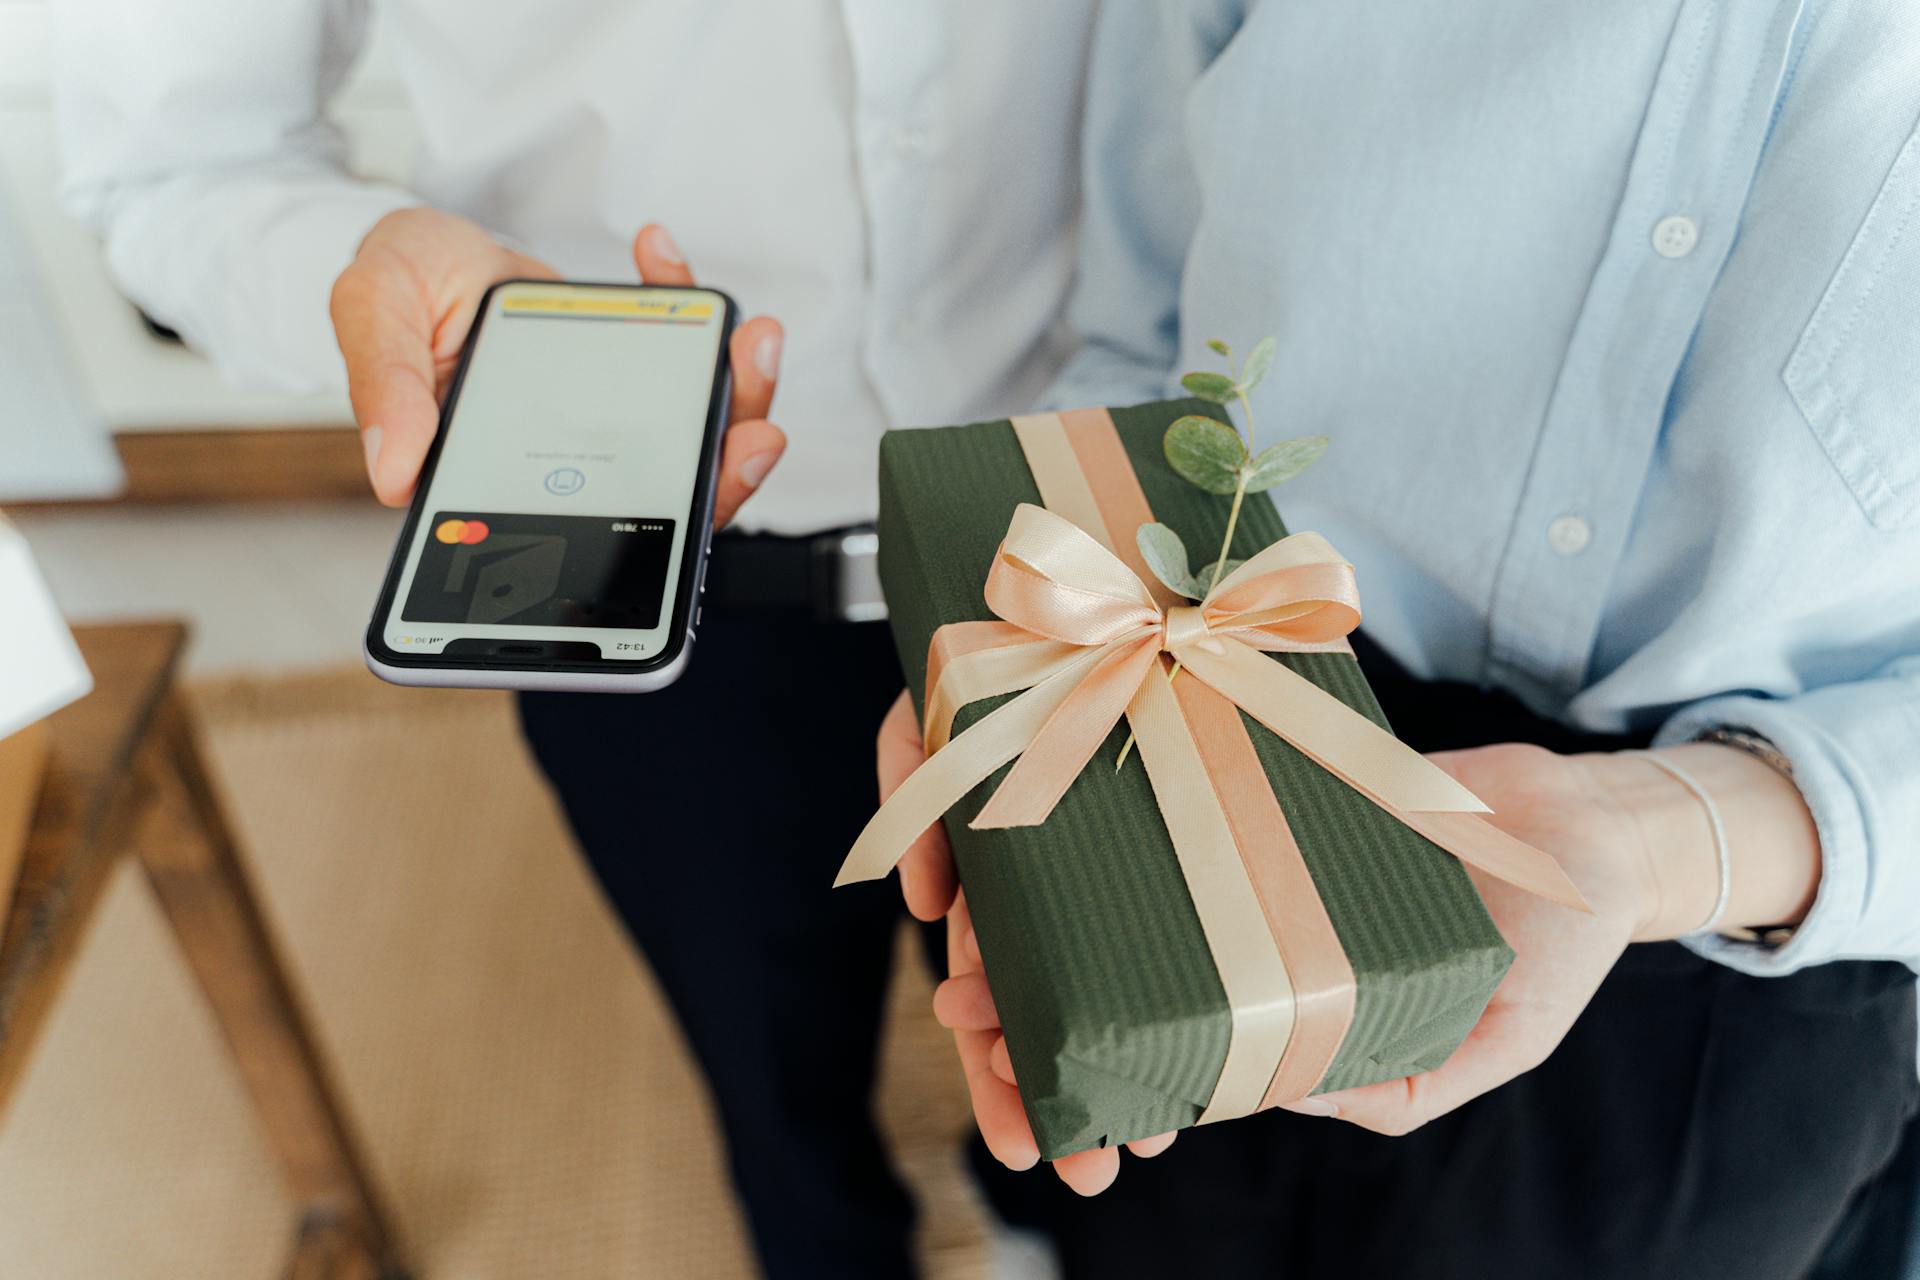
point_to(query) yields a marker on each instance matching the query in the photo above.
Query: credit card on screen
(542, 570)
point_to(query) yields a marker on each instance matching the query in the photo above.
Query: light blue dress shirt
(1612, 311)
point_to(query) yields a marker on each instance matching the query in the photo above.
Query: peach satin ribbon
(1083, 634)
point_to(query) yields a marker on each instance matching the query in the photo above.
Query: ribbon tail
(1070, 737)
(1342, 740)
(969, 661)
(948, 774)
(1380, 767)
(1478, 843)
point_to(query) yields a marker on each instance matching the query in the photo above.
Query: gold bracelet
(1754, 745)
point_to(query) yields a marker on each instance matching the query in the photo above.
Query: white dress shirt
(895, 182)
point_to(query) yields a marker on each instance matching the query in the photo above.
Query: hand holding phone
(403, 314)
(558, 534)
(402, 310)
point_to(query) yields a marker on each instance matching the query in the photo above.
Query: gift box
(1216, 925)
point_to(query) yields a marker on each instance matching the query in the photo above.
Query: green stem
(1226, 543)
(1220, 561)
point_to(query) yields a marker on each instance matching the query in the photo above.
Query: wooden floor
(523, 1094)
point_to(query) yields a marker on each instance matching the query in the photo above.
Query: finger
(964, 1003)
(1148, 1148)
(658, 257)
(896, 748)
(385, 328)
(755, 349)
(926, 876)
(747, 454)
(959, 921)
(1000, 1063)
(996, 1106)
(927, 880)
(1089, 1173)
(755, 346)
(970, 947)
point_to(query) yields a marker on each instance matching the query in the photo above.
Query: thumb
(1491, 1055)
(385, 331)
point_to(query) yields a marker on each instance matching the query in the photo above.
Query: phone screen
(559, 502)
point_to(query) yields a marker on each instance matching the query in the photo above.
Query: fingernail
(766, 357)
(370, 441)
(1311, 1107)
(663, 244)
(755, 469)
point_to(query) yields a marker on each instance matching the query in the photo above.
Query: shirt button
(1569, 535)
(1675, 237)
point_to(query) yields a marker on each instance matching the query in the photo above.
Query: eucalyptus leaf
(1205, 452)
(1220, 348)
(1284, 461)
(1217, 387)
(1259, 360)
(1166, 555)
(1203, 579)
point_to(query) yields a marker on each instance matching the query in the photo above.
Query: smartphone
(559, 532)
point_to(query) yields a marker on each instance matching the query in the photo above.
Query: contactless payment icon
(566, 480)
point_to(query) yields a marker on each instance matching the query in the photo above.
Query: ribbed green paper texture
(1114, 1014)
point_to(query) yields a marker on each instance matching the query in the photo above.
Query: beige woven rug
(524, 1096)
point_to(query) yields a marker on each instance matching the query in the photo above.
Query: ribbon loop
(1055, 580)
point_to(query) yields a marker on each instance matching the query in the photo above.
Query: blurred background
(449, 983)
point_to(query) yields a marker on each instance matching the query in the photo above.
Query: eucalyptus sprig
(1212, 455)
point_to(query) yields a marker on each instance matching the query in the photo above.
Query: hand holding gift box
(1560, 958)
(1196, 947)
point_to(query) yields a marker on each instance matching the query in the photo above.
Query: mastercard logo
(467, 531)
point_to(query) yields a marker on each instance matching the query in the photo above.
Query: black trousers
(1696, 1124)
(715, 814)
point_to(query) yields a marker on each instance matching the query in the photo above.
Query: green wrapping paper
(1115, 1017)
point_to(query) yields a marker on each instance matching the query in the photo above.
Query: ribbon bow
(1083, 635)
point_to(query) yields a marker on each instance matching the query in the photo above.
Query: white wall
(266, 587)
(136, 382)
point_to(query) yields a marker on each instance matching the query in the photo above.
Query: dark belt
(830, 576)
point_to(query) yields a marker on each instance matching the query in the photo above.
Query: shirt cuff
(264, 319)
(1820, 771)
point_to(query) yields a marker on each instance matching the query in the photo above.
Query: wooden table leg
(196, 870)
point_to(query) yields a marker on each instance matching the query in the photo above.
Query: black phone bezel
(698, 535)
